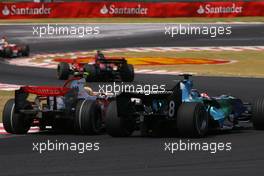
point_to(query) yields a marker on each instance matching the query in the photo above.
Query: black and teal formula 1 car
(182, 110)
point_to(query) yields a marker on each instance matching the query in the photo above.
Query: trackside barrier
(130, 9)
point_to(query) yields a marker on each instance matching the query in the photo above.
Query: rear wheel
(25, 50)
(117, 126)
(13, 122)
(63, 71)
(91, 72)
(8, 53)
(88, 117)
(192, 120)
(127, 73)
(258, 114)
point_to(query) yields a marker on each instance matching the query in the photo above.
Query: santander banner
(130, 9)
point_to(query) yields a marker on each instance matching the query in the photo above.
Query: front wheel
(91, 72)
(13, 122)
(63, 71)
(192, 120)
(8, 53)
(25, 50)
(258, 114)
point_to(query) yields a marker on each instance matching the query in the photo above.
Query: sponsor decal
(210, 9)
(113, 10)
(45, 90)
(14, 10)
(130, 9)
(200, 10)
(5, 11)
(104, 10)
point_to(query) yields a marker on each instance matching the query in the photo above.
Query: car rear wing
(123, 100)
(44, 90)
(22, 94)
(112, 61)
(75, 61)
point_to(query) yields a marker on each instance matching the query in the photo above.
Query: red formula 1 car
(66, 109)
(98, 69)
(14, 50)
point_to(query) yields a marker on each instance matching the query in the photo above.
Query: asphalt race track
(134, 35)
(135, 155)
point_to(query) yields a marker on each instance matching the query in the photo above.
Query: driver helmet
(205, 95)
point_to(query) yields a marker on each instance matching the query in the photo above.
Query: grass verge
(247, 63)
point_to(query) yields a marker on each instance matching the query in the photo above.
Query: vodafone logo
(14, 10)
(5, 11)
(209, 9)
(113, 10)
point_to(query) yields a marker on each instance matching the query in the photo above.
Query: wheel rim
(201, 121)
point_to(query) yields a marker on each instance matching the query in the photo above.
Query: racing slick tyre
(258, 114)
(91, 71)
(88, 117)
(13, 122)
(8, 53)
(127, 73)
(117, 126)
(25, 50)
(63, 71)
(192, 120)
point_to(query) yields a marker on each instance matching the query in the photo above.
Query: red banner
(130, 9)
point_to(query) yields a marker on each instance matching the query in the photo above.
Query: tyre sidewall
(189, 118)
(258, 114)
(13, 122)
(8, 52)
(63, 71)
(86, 116)
(91, 70)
